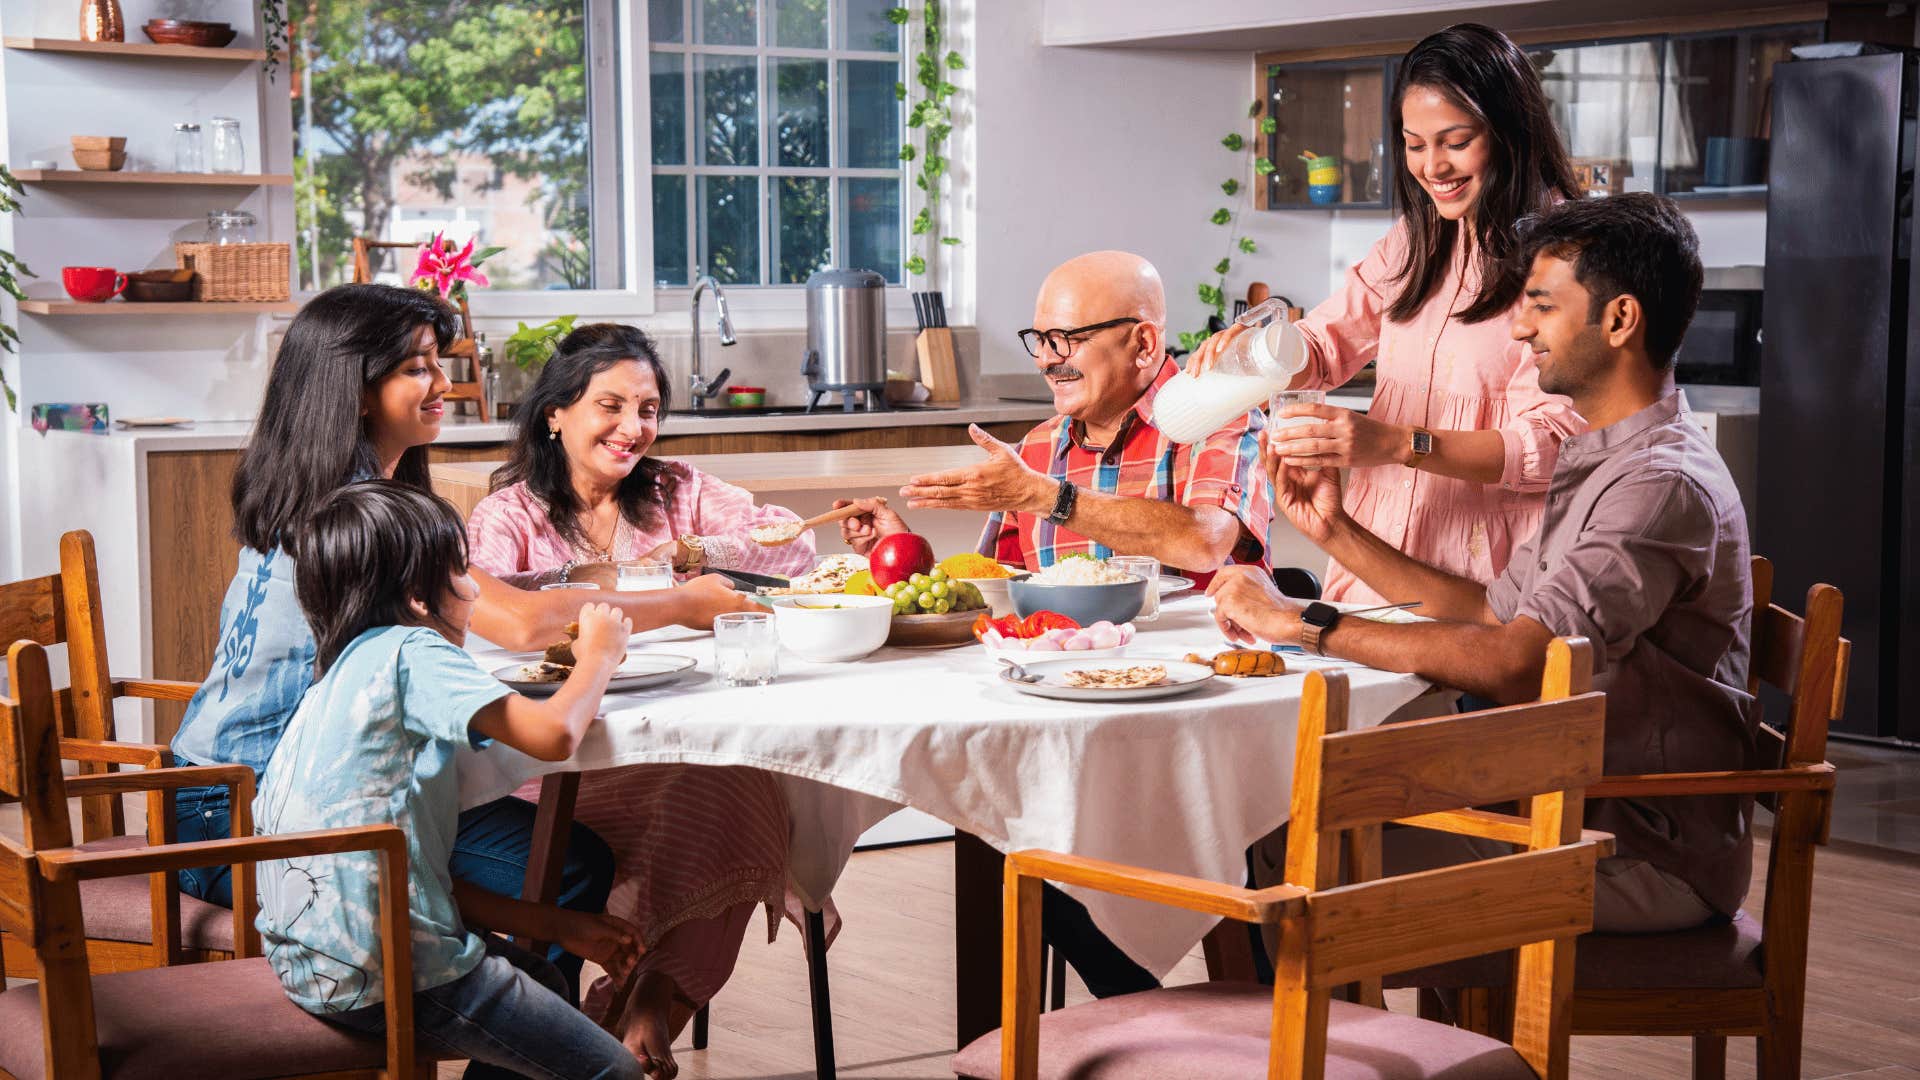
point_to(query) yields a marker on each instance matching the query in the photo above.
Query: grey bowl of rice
(1084, 590)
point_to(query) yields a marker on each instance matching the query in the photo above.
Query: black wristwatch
(1063, 503)
(1317, 619)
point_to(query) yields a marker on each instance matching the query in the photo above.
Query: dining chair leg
(817, 983)
(1059, 963)
(700, 1028)
(1709, 1057)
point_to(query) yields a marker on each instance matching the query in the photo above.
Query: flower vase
(100, 20)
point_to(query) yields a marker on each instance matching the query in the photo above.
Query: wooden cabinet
(1333, 116)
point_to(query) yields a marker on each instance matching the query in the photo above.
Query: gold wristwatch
(1422, 446)
(696, 553)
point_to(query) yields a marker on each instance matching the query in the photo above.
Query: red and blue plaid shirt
(1222, 470)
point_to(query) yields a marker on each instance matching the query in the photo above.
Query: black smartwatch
(1317, 619)
(1063, 503)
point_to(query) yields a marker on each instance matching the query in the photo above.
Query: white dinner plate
(639, 672)
(1182, 678)
(1173, 585)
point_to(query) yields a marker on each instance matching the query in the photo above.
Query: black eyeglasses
(1062, 342)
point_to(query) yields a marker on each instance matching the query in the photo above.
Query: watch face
(1422, 442)
(1319, 614)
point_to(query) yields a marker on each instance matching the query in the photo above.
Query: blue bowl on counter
(1085, 604)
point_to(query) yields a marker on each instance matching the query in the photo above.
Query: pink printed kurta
(1442, 374)
(510, 533)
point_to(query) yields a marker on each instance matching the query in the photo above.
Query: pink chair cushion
(1722, 956)
(1220, 1030)
(121, 908)
(228, 1019)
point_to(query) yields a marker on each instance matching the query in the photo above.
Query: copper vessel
(100, 21)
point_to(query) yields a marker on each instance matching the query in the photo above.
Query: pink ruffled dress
(1442, 374)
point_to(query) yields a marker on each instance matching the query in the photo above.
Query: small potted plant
(526, 351)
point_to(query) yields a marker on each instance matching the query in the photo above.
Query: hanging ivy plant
(930, 114)
(273, 20)
(1213, 293)
(11, 271)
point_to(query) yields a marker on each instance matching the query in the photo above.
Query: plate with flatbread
(538, 678)
(1108, 678)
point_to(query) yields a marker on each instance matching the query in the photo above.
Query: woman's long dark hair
(1487, 76)
(310, 437)
(367, 550)
(542, 462)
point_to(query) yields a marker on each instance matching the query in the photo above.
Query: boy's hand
(709, 595)
(611, 942)
(603, 635)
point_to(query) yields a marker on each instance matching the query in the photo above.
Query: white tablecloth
(1182, 784)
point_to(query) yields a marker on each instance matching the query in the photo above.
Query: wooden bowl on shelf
(100, 160)
(159, 286)
(115, 143)
(206, 35)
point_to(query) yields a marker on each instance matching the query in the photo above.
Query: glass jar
(229, 153)
(189, 149)
(230, 227)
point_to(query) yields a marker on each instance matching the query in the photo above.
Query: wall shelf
(184, 307)
(92, 176)
(137, 49)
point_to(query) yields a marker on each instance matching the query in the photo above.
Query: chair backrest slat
(1777, 638)
(33, 610)
(1454, 762)
(16, 906)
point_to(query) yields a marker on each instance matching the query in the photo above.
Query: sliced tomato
(983, 624)
(1042, 621)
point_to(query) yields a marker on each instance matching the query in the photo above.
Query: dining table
(1180, 784)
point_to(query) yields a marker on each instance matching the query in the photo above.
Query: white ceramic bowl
(831, 628)
(994, 591)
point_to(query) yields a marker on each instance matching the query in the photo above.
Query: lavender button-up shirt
(1643, 551)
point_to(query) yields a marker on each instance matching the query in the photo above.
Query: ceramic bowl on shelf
(159, 286)
(206, 35)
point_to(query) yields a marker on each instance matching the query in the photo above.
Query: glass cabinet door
(1327, 141)
(1719, 90)
(1605, 99)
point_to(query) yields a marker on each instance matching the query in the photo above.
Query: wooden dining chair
(131, 924)
(474, 389)
(229, 1019)
(1745, 977)
(1425, 773)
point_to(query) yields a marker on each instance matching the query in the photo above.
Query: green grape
(937, 574)
(925, 600)
(941, 607)
(920, 581)
(940, 589)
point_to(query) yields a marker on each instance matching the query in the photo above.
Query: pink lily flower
(447, 272)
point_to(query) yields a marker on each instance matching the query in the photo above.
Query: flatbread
(1126, 678)
(545, 672)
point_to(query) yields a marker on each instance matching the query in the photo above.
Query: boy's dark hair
(364, 552)
(1638, 245)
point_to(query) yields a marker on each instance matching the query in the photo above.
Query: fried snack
(560, 653)
(1243, 663)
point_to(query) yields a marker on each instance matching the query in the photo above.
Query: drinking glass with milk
(1257, 364)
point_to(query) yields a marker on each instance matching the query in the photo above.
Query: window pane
(800, 125)
(729, 128)
(1605, 99)
(803, 228)
(666, 20)
(384, 150)
(871, 208)
(729, 22)
(800, 24)
(730, 228)
(666, 74)
(864, 25)
(871, 116)
(669, 230)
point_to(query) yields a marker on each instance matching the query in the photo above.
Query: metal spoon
(1017, 673)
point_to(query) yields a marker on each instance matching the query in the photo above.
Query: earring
(553, 433)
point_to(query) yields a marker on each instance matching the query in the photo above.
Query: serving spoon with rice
(779, 533)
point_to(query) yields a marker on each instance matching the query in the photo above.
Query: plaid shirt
(1223, 470)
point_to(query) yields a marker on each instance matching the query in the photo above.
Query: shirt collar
(1140, 411)
(1671, 407)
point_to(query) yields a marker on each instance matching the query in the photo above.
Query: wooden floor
(893, 1010)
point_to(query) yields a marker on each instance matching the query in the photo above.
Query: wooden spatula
(786, 532)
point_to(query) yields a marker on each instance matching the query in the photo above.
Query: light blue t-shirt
(261, 667)
(372, 743)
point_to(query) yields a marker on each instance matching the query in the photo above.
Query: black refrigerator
(1839, 463)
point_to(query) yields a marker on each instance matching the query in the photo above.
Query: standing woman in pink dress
(1451, 463)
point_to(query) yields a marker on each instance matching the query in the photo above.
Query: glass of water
(1147, 567)
(645, 575)
(567, 586)
(1284, 398)
(745, 648)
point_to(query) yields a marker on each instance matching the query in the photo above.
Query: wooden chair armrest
(147, 755)
(156, 689)
(1485, 823)
(73, 864)
(1194, 894)
(1748, 782)
(237, 779)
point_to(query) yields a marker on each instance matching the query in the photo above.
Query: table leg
(552, 821)
(816, 941)
(977, 879)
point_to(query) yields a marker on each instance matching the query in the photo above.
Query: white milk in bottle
(1259, 362)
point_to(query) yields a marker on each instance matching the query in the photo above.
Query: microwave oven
(1722, 344)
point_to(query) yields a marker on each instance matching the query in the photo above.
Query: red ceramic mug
(92, 284)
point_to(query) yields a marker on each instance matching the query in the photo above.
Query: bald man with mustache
(1099, 478)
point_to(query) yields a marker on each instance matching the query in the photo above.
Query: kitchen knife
(745, 582)
(939, 308)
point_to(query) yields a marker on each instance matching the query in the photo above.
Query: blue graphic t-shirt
(373, 743)
(261, 666)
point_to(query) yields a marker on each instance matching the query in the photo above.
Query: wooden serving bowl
(159, 286)
(933, 631)
(115, 143)
(183, 32)
(99, 160)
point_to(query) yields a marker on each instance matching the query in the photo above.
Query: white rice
(1081, 572)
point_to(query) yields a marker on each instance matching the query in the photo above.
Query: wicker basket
(230, 272)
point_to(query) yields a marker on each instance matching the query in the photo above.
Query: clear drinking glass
(745, 648)
(645, 575)
(561, 586)
(1284, 398)
(229, 153)
(1142, 566)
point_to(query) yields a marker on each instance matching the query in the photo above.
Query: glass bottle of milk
(1258, 363)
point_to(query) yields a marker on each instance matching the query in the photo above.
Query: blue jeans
(508, 1018)
(490, 850)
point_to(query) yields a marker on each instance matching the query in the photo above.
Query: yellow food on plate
(861, 584)
(972, 565)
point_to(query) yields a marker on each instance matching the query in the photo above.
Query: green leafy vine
(932, 116)
(273, 20)
(1213, 293)
(11, 271)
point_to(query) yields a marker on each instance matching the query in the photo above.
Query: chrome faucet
(696, 381)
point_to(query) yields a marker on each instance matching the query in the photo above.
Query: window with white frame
(775, 139)
(492, 120)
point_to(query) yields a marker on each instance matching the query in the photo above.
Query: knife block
(938, 371)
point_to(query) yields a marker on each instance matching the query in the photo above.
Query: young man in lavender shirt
(1643, 551)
